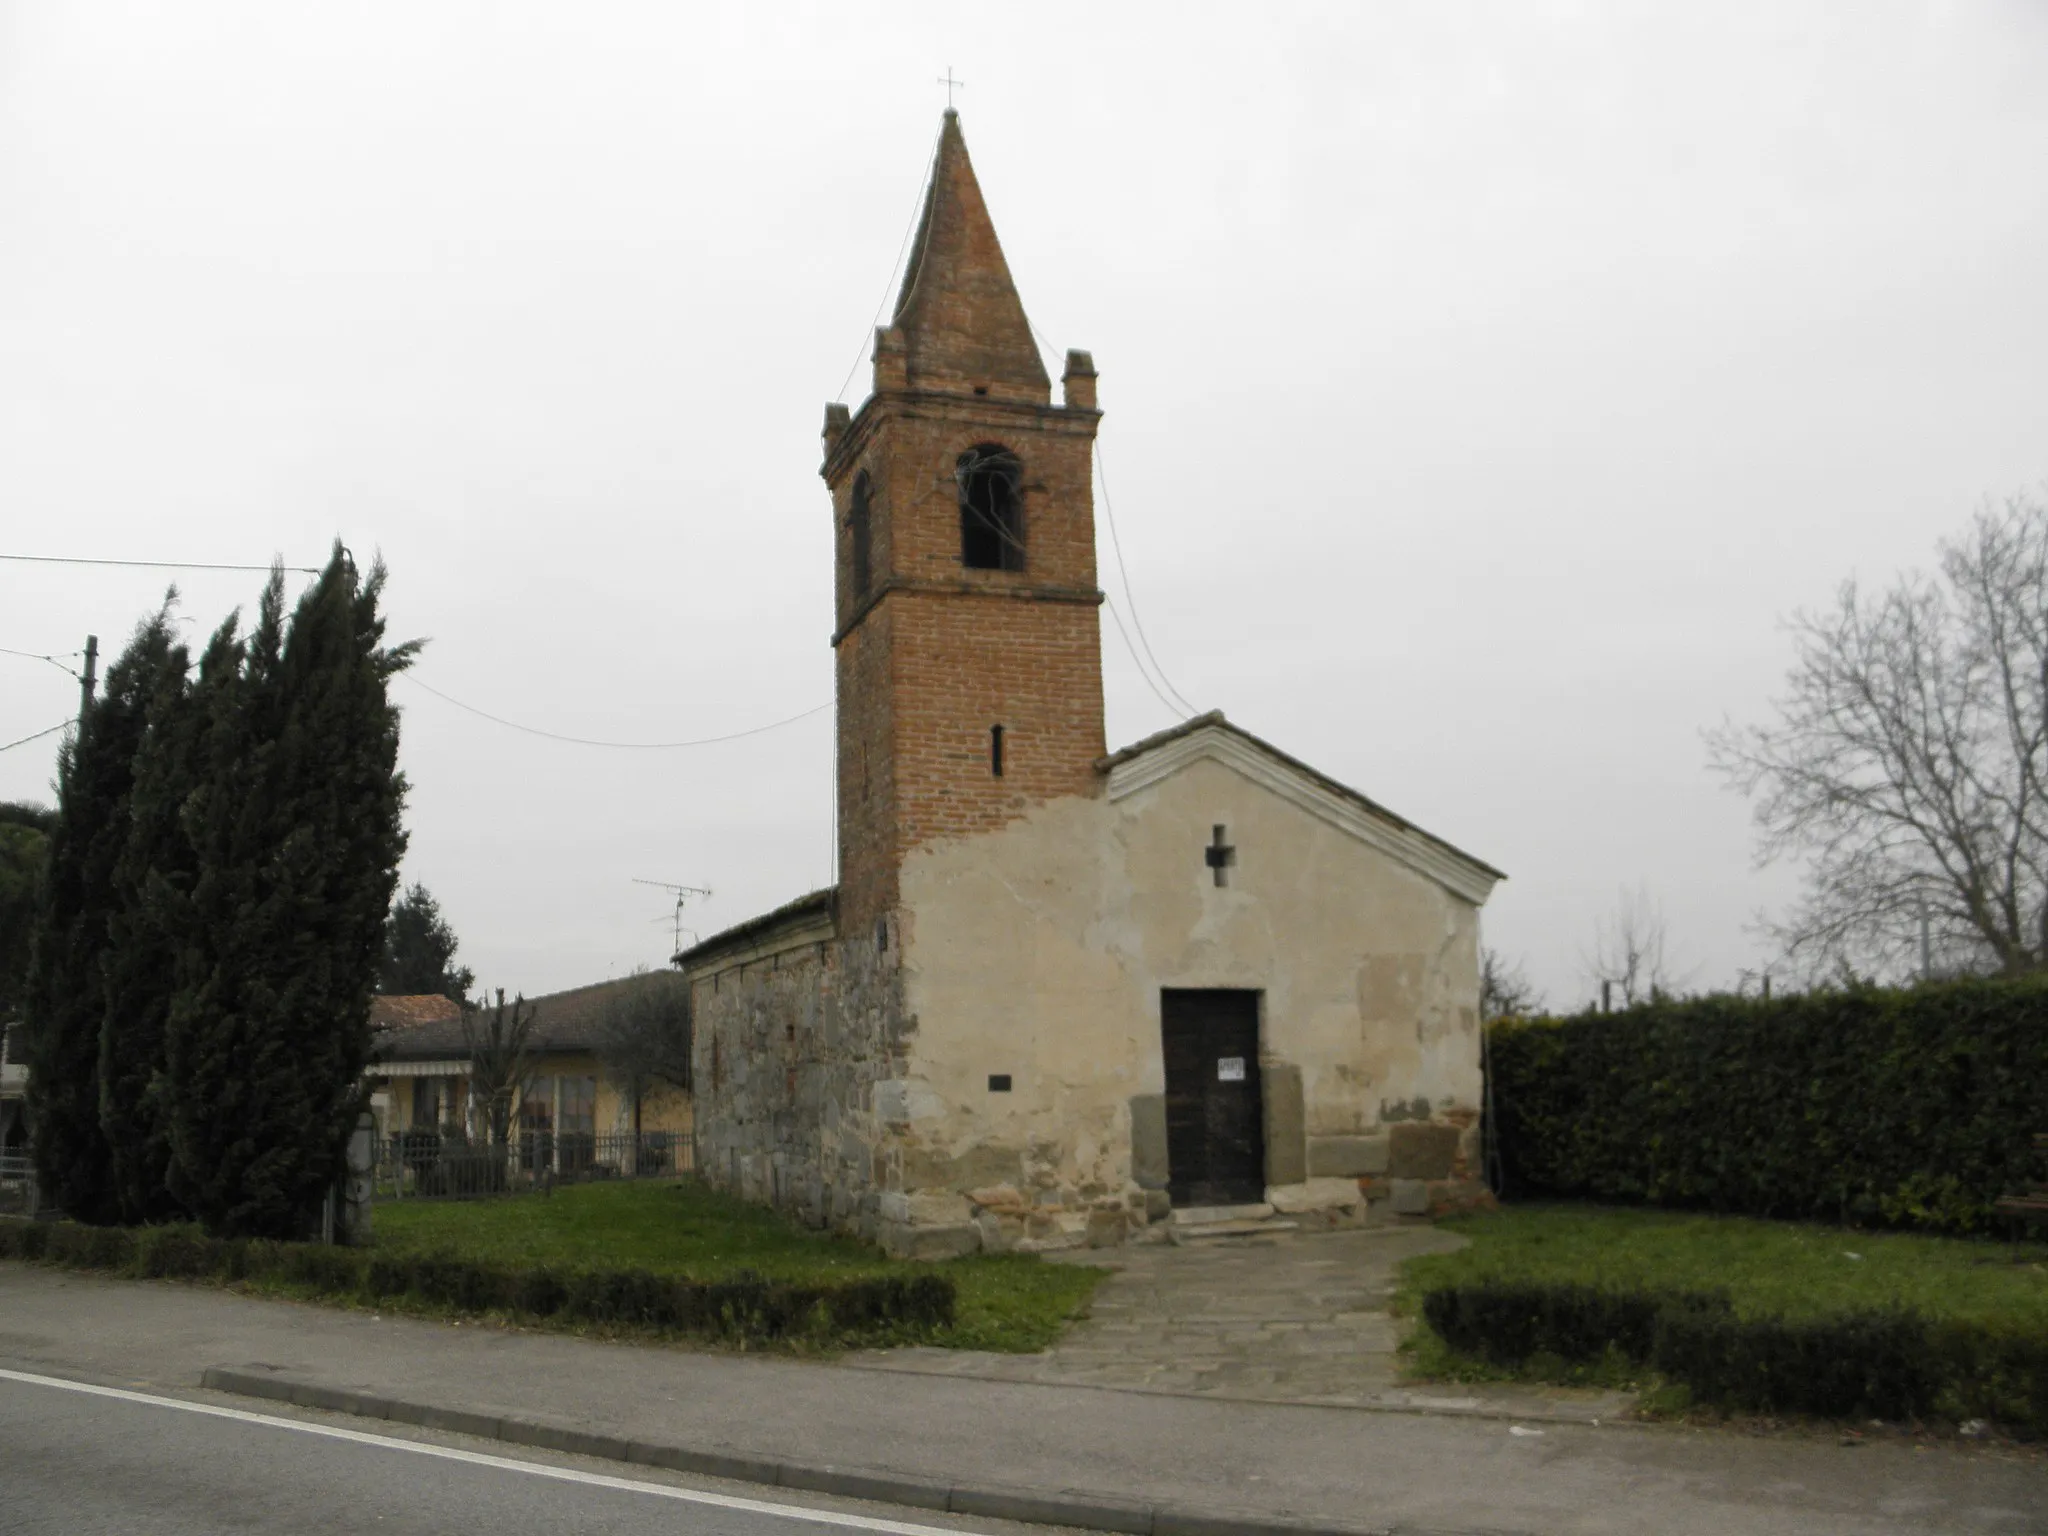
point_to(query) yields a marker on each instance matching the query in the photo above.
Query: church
(1063, 995)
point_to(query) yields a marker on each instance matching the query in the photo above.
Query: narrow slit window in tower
(858, 522)
(995, 750)
(991, 509)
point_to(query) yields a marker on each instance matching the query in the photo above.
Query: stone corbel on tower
(837, 419)
(1078, 382)
(892, 359)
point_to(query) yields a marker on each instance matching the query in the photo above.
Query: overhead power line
(55, 661)
(1178, 704)
(1124, 569)
(867, 341)
(628, 746)
(1137, 660)
(39, 735)
(157, 565)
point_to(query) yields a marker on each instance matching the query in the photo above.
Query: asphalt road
(76, 1459)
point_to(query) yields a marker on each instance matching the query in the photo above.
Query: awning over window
(417, 1069)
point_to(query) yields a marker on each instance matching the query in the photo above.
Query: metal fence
(17, 1184)
(429, 1165)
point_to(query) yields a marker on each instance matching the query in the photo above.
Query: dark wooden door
(1215, 1128)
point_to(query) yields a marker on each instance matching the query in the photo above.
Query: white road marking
(502, 1463)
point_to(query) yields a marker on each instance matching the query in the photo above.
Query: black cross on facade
(1219, 855)
(951, 86)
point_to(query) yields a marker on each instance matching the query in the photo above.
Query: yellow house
(420, 1077)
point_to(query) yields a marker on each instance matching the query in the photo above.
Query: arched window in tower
(991, 485)
(859, 523)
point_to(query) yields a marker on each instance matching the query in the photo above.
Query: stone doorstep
(1068, 1507)
(1204, 1215)
(1217, 1231)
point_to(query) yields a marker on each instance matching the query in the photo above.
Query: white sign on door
(1230, 1069)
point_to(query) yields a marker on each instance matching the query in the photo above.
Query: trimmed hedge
(1887, 1364)
(1905, 1108)
(745, 1308)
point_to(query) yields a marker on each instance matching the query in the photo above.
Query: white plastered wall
(1039, 951)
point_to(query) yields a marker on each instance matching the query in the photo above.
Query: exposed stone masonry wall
(790, 1049)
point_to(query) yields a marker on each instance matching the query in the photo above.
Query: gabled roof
(961, 320)
(1145, 763)
(412, 1010)
(563, 1021)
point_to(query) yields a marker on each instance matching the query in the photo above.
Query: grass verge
(1014, 1303)
(652, 1259)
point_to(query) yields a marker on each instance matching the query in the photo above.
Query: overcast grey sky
(1483, 384)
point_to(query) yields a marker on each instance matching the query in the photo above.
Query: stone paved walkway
(1287, 1318)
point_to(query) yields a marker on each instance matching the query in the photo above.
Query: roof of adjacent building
(757, 935)
(412, 1010)
(413, 1028)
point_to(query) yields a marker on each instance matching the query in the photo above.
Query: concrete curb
(997, 1503)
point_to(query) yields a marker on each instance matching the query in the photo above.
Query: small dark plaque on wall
(999, 1082)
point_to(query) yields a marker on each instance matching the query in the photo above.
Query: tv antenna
(682, 894)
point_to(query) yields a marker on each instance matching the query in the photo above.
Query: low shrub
(1892, 1364)
(742, 1308)
(1504, 1323)
(1883, 1364)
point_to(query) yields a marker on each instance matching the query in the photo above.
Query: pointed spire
(961, 324)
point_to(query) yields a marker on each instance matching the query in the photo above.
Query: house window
(576, 1124)
(578, 1115)
(991, 508)
(859, 522)
(995, 751)
(537, 1124)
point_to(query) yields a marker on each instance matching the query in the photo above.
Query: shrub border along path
(744, 1309)
(1892, 1364)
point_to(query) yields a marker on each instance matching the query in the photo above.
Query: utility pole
(1926, 945)
(92, 657)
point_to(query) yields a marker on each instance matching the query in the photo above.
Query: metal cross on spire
(951, 86)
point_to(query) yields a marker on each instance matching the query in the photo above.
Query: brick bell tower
(968, 644)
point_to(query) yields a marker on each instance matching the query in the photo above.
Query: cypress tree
(153, 882)
(295, 822)
(65, 996)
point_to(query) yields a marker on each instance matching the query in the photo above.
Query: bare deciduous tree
(1505, 990)
(1631, 950)
(499, 1042)
(1908, 764)
(644, 1035)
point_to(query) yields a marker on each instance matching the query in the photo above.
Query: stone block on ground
(1418, 1151)
(1314, 1195)
(1106, 1229)
(927, 1243)
(1409, 1197)
(1458, 1197)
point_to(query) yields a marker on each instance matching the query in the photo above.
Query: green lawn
(1793, 1269)
(1013, 1302)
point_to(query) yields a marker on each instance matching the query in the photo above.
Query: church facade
(1059, 993)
